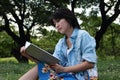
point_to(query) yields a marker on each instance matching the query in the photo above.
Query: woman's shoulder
(61, 40)
(82, 32)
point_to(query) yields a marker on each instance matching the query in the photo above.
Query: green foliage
(86, 3)
(109, 45)
(48, 40)
(5, 45)
(41, 9)
(90, 23)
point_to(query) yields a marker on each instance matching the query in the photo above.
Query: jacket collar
(74, 34)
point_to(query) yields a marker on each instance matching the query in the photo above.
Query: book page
(27, 44)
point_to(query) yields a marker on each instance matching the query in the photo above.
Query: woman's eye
(57, 20)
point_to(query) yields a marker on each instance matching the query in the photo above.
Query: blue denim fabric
(83, 48)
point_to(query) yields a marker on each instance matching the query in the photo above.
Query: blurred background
(28, 20)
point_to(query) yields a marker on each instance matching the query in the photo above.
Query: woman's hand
(23, 52)
(58, 68)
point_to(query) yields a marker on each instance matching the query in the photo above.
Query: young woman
(76, 49)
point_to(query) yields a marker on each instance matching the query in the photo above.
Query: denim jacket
(83, 48)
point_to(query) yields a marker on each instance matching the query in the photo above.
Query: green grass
(109, 68)
(10, 69)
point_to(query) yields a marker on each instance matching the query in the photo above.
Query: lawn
(10, 69)
(109, 68)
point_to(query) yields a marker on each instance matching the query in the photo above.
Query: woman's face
(61, 25)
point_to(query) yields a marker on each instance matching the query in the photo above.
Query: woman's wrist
(65, 69)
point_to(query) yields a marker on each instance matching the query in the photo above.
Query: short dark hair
(66, 14)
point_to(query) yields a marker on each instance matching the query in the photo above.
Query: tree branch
(102, 10)
(117, 6)
(54, 3)
(7, 29)
(109, 7)
(2, 28)
(73, 3)
(116, 12)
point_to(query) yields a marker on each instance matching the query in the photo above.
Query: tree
(105, 8)
(18, 18)
(27, 14)
(106, 19)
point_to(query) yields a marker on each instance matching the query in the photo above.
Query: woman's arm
(76, 68)
(79, 67)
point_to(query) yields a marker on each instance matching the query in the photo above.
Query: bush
(6, 45)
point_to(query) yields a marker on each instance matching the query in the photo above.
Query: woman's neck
(69, 32)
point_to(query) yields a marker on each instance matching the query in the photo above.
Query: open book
(40, 54)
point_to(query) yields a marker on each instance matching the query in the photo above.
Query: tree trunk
(16, 53)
